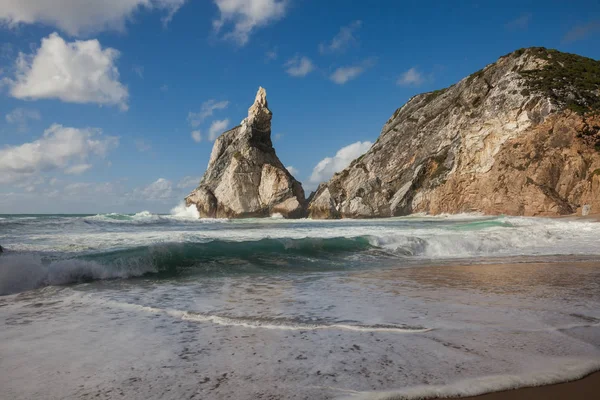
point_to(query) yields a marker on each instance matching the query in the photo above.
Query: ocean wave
(179, 214)
(20, 272)
(242, 247)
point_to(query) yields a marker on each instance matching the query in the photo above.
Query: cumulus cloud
(81, 17)
(412, 77)
(76, 72)
(196, 136)
(299, 66)
(216, 128)
(325, 169)
(345, 74)
(207, 109)
(21, 116)
(343, 40)
(60, 147)
(246, 15)
(292, 170)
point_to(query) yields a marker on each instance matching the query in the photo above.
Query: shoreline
(581, 389)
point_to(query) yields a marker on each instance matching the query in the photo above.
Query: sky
(114, 105)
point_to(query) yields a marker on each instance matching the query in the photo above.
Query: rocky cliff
(520, 137)
(244, 177)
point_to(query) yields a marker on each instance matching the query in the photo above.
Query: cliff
(244, 177)
(520, 137)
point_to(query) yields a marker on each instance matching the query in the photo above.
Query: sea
(147, 306)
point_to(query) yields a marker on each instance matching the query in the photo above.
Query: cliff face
(244, 177)
(519, 137)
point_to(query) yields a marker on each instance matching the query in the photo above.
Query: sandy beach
(405, 308)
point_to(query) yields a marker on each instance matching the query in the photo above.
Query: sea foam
(561, 371)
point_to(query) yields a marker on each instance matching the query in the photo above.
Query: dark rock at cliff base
(519, 137)
(245, 178)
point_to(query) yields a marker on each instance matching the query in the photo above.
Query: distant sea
(146, 306)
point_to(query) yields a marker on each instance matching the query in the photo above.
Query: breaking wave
(210, 247)
(20, 272)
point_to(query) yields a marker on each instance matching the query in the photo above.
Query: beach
(166, 307)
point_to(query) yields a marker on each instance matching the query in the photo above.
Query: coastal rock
(520, 137)
(245, 178)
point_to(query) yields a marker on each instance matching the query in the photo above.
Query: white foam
(431, 240)
(272, 324)
(21, 272)
(258, 324)
(181, 211)
(556, 372)
(144, 215)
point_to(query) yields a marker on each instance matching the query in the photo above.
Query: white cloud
(216, 128)
(343, 40)
(207, 109)
(188, 182)
(77, 169)
(76, 72)
(161, 189)
(60, 147)
(299, 66)
(325, 169)
(197, 136)
(21, 116)
(81, 17)
(246, 15)
(292, 170)
(77, 187)
(345, 74)
(411, 77)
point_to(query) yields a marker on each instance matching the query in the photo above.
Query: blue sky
(102, 105)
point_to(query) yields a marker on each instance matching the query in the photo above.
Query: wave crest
(20, 272)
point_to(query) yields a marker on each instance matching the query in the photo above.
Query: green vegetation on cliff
(571, 80)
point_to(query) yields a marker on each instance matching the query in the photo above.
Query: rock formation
(244, 177)
(520, 137)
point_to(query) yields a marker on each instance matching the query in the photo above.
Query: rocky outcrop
(520, 137)
(244, 177)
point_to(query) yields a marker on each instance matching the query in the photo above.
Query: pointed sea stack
(244, 177)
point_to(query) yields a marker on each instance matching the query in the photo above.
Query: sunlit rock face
(244, 177)
(520, 137)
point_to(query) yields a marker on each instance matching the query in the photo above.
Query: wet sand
(583, 389)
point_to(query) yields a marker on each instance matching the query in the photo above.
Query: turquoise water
(170, 306)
